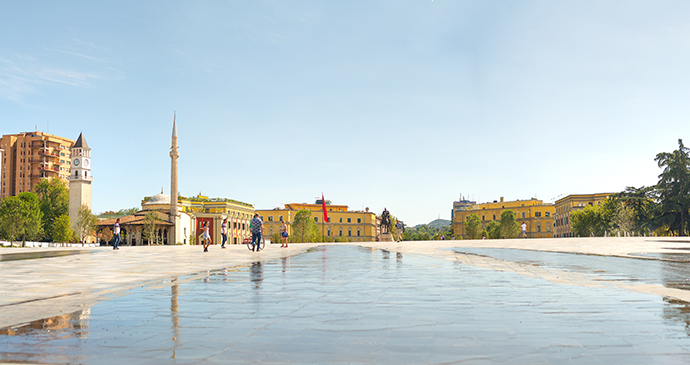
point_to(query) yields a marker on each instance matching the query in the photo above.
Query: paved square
(387, 303)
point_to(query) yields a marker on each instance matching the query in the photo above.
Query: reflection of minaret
(174, 154)
(174, 315)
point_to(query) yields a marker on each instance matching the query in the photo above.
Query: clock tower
(80, 178)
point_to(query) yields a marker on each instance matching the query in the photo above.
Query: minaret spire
(174, 126)
(174, 154)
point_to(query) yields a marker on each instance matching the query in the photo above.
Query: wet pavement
(668, 269)
(385, 304)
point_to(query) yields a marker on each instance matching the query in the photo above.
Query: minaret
(174, 154)
(80, 178)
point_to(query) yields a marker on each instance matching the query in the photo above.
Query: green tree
(473, 227)
(304, 229)
(642, 205)
(54, 202)
(623, 220)
(150, 230)
(20, 216)
(587, 222)
(509, 225)
(85, 225)
(493, 230)
(673, 188)
(62, 230)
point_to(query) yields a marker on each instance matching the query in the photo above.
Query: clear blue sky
(397, 104)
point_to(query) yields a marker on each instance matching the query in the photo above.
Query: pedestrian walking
(257, 231)
(524, 230)
(206, 236)
(284, 235)
(224, 232)
(116, 234)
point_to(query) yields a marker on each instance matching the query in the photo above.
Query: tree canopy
(20, 217)
(54, 202)
(673, 188)
(85, 225)
(304, 229)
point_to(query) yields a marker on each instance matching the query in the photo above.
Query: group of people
(256, 226)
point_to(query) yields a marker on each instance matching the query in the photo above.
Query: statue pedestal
(386, 237)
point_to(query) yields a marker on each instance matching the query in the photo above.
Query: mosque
(180, 220)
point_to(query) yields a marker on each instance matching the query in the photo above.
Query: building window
(537, 214)
(349, 220)
(359, 220)
(494, 216)
(547, 214)
(280, 218)
(328, 232)
(349, 232)
(340, 232)
(358, 232)
(523, 214)
(341, 221)
(483, 218)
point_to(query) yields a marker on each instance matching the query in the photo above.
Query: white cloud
(22, 74)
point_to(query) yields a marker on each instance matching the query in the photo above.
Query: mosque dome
(159, 199)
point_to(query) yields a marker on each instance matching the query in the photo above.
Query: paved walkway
(409, 302)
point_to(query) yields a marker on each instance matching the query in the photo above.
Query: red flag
(323, 204)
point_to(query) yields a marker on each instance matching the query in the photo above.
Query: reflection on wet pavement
(669, 270)
(344, 304)
(39, 255)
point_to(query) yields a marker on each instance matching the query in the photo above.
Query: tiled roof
(136, 219)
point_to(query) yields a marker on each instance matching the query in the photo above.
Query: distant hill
(437, 223)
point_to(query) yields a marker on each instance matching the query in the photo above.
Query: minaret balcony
(80, 178)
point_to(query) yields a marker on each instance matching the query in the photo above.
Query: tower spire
(174, 125)
(174, 154)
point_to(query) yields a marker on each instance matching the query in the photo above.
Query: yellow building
(193, 212)
(571, 203)
(28, 157)
(214, 210)
(538, 217)
(343, 224)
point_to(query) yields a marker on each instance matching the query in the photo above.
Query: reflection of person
(257, 232)
(224, 232)
(207, 236)
(524, 230)
(284, 235)
(116, 234)
(257, 273)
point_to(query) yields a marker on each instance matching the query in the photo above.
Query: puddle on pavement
(668, 271)
(352, 304)
(39, 255)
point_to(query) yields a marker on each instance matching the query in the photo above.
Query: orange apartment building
(30, 156)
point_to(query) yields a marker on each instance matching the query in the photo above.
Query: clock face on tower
(76, 162)
(86, 162)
